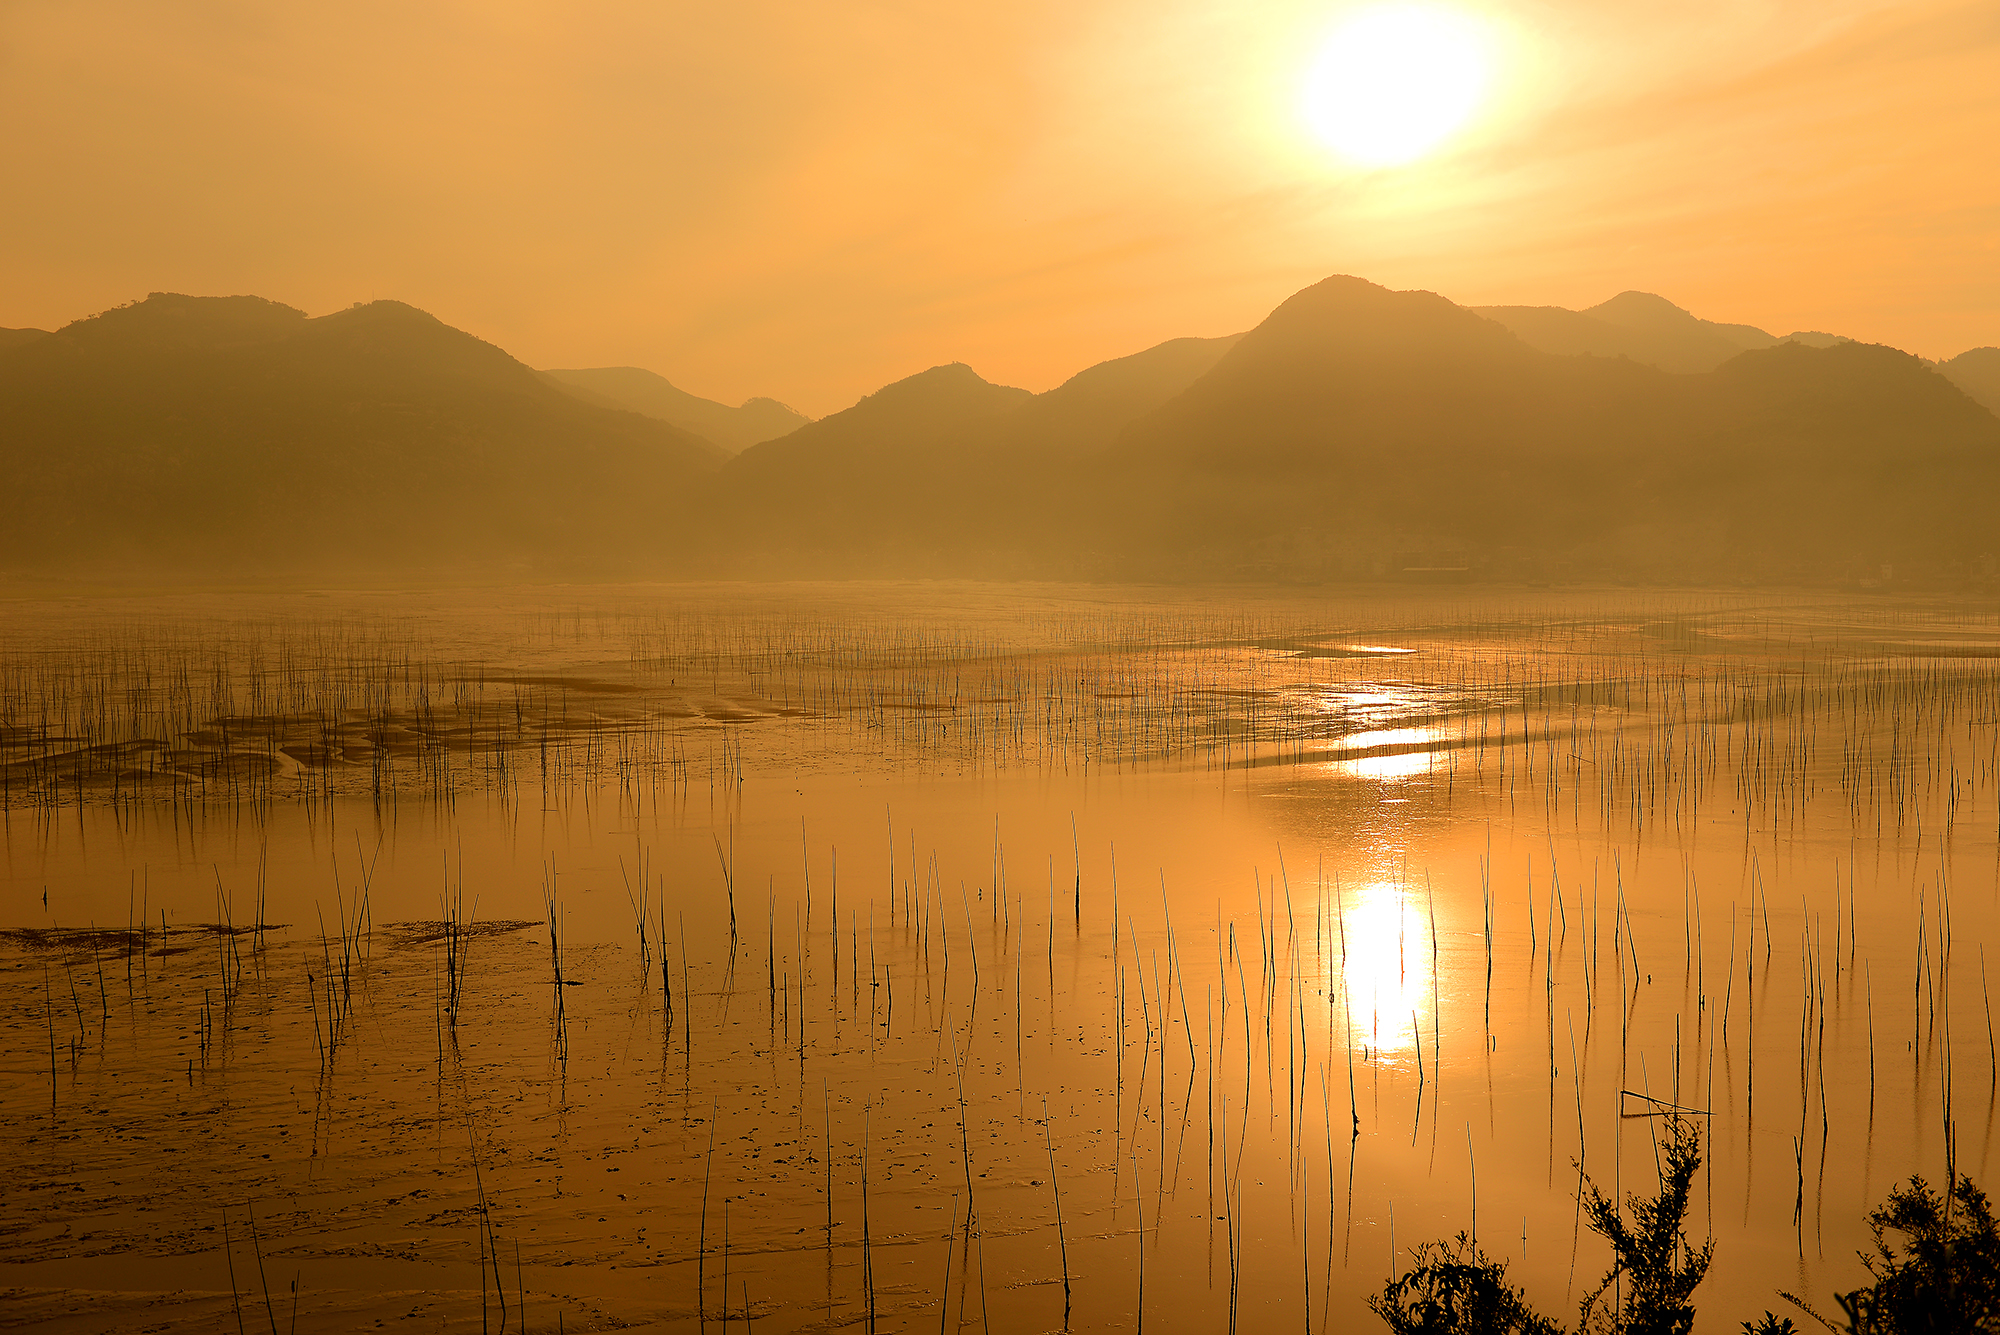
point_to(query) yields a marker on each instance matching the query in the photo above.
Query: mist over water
(1259, 936)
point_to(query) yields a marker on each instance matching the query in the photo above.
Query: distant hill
(1355, 433)
(1649, 313)
(1571, 333)
(945, 467)
(640, 391)
(890, 474)
(1355, 409)
(1850, 452)
(15, 338)
(1568, 333)
(1977, 373)
(1087, 411)
(236, 433)
(1357, 423)
(1643, 327)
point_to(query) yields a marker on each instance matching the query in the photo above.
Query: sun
(1394, 81)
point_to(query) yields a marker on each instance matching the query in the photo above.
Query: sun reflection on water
(1397, 728)
(1411, 753)
(1386, 966)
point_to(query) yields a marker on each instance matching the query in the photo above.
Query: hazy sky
(808, 200)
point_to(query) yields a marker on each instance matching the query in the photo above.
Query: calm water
(1184, 957)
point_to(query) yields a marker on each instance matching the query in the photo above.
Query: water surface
(970, 954)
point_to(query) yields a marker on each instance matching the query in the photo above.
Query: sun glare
(1398, 753)
(1387, 968)
(1394, 81)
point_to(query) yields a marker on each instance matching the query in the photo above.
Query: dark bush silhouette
(1454, 1287)
(1658, 1267)
(1935, 1266)
(1942, 1277)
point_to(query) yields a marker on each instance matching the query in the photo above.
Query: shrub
(1942, 1277)
(1651, 1254)
(1455, 1289)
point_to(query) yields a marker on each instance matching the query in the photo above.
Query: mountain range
(1643, 327)
(653, 395)
(1356, 432)
(237, 434)
(944, 471)
(1356, 421)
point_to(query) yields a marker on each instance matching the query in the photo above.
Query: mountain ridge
(1354, 431)
(198, 430)
(1977, 373)
(1644, 327)
(1360, 418)
(653, 395)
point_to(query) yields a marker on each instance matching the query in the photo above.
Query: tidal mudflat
(901, 957)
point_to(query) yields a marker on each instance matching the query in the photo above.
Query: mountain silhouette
(1572, 333)
(1356, 423)
(1355, 433)
(237, 433)
(945, 467)
(1086, 412)
(1638, 325)
(14, 338)
(901, 425)
(640, 391)
(1648, 312)
(1645, 328)
(1854, 451)
(1977, 373)
(1356, 409)
(884, 479)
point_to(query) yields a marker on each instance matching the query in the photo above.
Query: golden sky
(811, 199)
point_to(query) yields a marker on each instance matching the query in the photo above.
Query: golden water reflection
(1395, 726)
(1389, 753)
(1386, 966)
